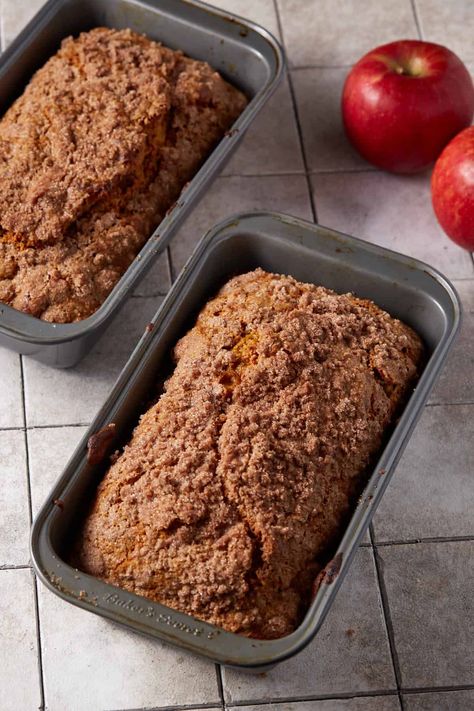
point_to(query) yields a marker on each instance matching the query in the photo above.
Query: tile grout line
(416, 18)
(297, 120)
(344, 171)
(415, 541)
(177, 707)
(387, 618)
(38, 637)
(450, 404)
(438, 689)
(294, 173)
(270, 174)
(59, 426)
(344, 696)
(220, 685)
(304, 699)
(30, 512)
(24, 429)
(303, 67)
(44, 427)
(299, 699)
(15, 567)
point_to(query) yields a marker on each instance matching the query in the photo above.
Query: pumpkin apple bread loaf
(236, 483)
(92, 155)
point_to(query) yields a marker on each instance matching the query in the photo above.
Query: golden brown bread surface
(237, 481)
(92, 155)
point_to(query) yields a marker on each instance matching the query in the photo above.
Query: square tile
(234, 194)
(361, 703)
(19, 680)
(13, 499)
(11, 410)
(91, 664)
(449, 700)
(271, 144)
(391, 210)
(318, 97)
(15, 15)
(431, 493)
(448, 23)
(456, 382)
(349, 654)
(316, 32)
(158, 279)
(429, 588)
(50, 449)
(73, 396)
(262, 12)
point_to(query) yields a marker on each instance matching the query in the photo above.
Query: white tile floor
(122, 670)
(391, 210)
(327, 33)
(399, 637)
(318, 91)
(350, 655)
(14, 499)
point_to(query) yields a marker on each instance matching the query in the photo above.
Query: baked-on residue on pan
(92, 155)
(237, 482)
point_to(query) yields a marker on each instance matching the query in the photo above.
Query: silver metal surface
(405, 287)
(245, 54)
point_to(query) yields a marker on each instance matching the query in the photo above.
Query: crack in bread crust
(236, 484)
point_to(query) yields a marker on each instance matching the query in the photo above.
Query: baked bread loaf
(92, 155)
(238, 481)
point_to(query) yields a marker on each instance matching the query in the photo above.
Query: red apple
(452, 189)
(404, 101)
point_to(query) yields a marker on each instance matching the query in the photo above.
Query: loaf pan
(405, 287)
(244, 53)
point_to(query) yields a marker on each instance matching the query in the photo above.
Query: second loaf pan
(244, 53)
(406, 288)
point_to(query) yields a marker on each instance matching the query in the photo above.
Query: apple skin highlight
(404, 101)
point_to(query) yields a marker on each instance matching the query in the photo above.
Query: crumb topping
(237, 482)
(92, 155)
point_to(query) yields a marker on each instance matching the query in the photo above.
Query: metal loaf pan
(244, 53)
(406, 288)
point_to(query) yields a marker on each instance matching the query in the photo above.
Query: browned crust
(235, 485)
(92, 155)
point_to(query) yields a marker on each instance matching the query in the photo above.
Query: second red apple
(452, 189)
(404, 101)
